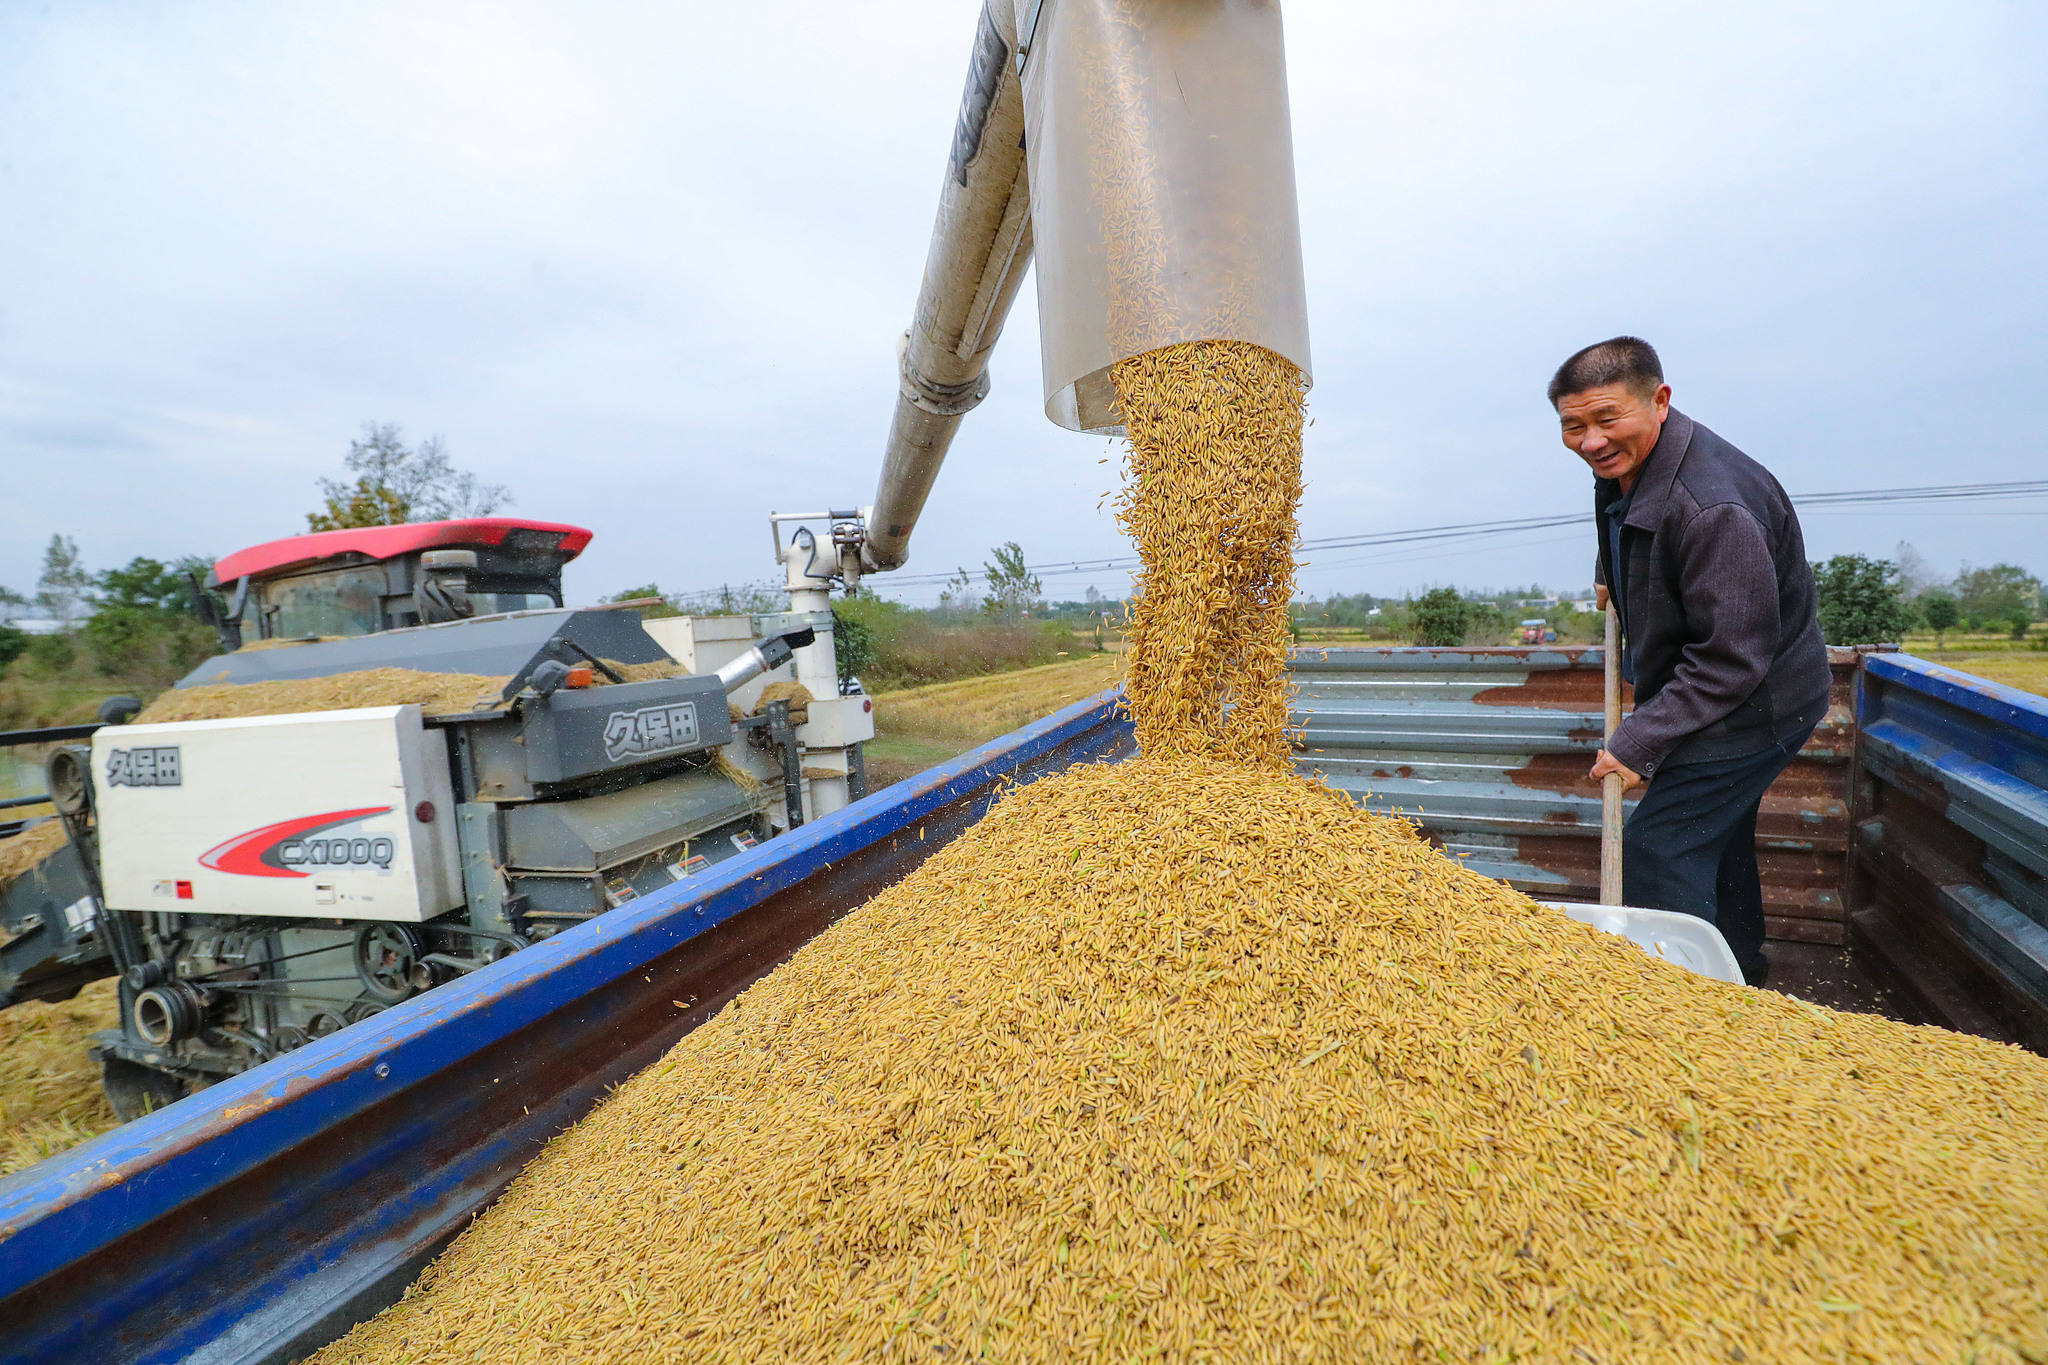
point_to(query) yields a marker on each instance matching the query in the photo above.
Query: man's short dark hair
(1618, 360)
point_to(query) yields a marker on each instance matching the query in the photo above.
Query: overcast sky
(646, 264)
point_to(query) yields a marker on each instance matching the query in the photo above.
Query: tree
(1012, 589)
(150, 585)
(1940, 610)
(13, 640)
(1915, 577)
(1999, 595)
(958, 594)
(395, 483)
(1859, 600)
(1440, 617)
(61, 589)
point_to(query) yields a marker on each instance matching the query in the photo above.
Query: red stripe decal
(243, 854)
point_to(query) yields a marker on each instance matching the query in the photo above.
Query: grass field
(1992, 657)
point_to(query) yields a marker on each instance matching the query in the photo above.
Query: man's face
(1613, 428)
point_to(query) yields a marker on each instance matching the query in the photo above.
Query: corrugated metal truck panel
(1487, 749)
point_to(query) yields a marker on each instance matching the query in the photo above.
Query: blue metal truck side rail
(1949, 880)
(262, 1217)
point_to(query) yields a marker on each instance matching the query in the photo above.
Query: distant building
(32, 625)
(1585, 604)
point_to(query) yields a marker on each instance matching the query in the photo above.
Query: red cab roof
(389, 542)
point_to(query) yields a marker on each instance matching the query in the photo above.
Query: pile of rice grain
(1185, 1060)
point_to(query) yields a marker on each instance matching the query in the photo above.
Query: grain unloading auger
(1140, 151)
(263, 880)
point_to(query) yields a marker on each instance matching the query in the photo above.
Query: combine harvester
(261, 1217)
(261, 882)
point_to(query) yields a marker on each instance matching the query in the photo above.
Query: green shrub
(50, 653)
(1939, 610)
(1859, 601)
(152, 647)
(853, 643)
(1440, 617)
(13, 640)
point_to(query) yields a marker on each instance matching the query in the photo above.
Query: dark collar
(1653, 486)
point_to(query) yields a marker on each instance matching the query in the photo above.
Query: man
(1702, 555)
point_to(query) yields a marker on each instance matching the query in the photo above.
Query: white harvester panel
(325, 814)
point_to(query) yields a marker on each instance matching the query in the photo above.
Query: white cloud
(647, 264)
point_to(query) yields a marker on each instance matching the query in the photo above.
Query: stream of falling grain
(1213, 480)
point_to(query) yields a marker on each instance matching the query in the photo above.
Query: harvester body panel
(325, 814)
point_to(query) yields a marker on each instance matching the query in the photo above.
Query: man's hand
(1608, 763)
(1600, 596)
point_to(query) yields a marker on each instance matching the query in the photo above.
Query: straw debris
(50, 1095)
(433, 693)
(23, 851)
(795, 693)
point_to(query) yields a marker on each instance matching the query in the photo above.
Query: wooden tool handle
(1610, 786)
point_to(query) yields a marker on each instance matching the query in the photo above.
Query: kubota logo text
(287, 847)
(650, 730)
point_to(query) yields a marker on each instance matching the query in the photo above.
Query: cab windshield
(337, 602)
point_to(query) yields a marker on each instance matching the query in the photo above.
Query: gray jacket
(1728, 653)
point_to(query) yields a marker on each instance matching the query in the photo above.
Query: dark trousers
(1690, 845)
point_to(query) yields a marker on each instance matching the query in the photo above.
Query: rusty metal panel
(1949, 884)
(1488, 749)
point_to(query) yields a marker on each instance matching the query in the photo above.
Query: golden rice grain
(1184, 1060)
(1213, 479)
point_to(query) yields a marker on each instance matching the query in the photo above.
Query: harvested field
(921, 726)
(2025, 669)
(50, 1096)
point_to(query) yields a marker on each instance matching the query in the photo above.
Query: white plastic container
(1686, 940)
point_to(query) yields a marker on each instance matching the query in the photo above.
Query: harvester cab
(287, 859)
(368, 579)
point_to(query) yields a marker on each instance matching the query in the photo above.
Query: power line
(1954, 492)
